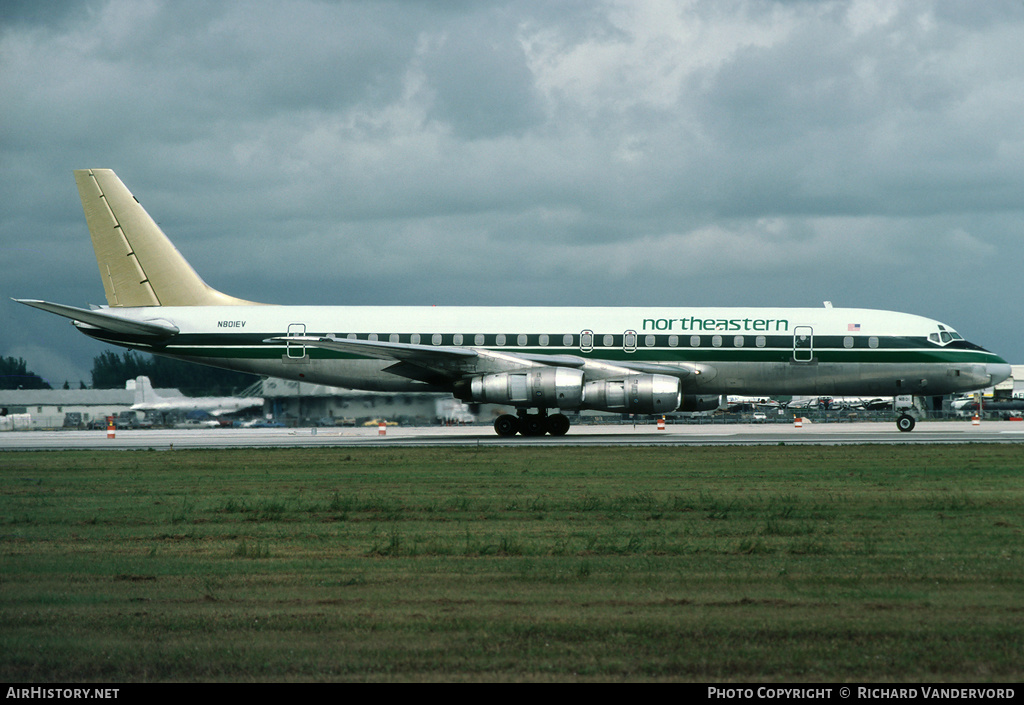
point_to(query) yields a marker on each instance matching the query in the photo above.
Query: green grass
(874, 563)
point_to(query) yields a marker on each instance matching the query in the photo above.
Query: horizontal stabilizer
(103, 320)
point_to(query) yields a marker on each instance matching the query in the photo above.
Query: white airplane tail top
(145, 395)
(138, 264)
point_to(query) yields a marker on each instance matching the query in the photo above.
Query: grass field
(798, 564)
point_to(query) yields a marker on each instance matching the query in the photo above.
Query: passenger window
(521, 339)
(694, 341)
(372, 336)
(543, 338)
(586, 341)
(716, 341)
(737, 342)
(393, 338)
(629, 341)
(848, 341)
(567, 340)
(435, 339)
(608, 340)
(351, 336)
(478, 339)
(872, 342)
(649, 341)
(673, 341)
(457, 339)
(499, 339)
(760, 341)
(414, 338)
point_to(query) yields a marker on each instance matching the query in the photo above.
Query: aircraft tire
(905, 423)
(534, 425)
(506, 425)
(558, 424)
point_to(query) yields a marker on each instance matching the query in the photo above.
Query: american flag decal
(853, 326)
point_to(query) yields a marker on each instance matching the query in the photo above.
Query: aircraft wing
(427, 363)
(85, 318)
(381, 349)
(682, 370)
(438, 363)
(233, 407)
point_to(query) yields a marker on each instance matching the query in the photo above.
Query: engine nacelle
(543, 387)
(635, 394)
(700, 402)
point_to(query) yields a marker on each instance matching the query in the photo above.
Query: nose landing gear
(906, 422)
(907, 406)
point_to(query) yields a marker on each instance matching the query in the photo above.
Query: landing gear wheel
(558, 424)
(905, 422)
(534, 425)
(506, 425)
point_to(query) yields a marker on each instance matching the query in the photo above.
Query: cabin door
(803, 344)
(296, 350)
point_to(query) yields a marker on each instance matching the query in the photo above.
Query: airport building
(50, 408)
(284, 401)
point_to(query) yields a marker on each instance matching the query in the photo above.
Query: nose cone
(998, 371)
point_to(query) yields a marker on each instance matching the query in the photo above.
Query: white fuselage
(715, 350)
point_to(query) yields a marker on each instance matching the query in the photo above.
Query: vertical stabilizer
(144, 394)
(138, 264)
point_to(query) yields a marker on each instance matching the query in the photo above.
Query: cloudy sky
(869, 153)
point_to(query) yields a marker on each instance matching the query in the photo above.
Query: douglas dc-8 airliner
(540, 360)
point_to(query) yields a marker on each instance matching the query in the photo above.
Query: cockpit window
(944, 336)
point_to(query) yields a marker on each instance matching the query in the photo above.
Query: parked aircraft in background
(147, 400)
(639, 360)
(989, 402)
(733, 404)
(867, 403)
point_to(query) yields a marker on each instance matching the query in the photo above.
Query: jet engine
(700, 402)
(543, 387)
(634, 394)
(564, 388)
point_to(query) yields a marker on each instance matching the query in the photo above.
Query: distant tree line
(111, 370)
(14, 374)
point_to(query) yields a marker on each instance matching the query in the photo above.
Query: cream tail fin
(138, 264)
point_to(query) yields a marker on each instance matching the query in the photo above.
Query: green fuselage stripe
(709, 348)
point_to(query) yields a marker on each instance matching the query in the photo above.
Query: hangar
(48, 408)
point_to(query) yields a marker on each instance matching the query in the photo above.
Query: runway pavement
(581, 435)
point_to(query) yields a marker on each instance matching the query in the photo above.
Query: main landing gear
(538, 424)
